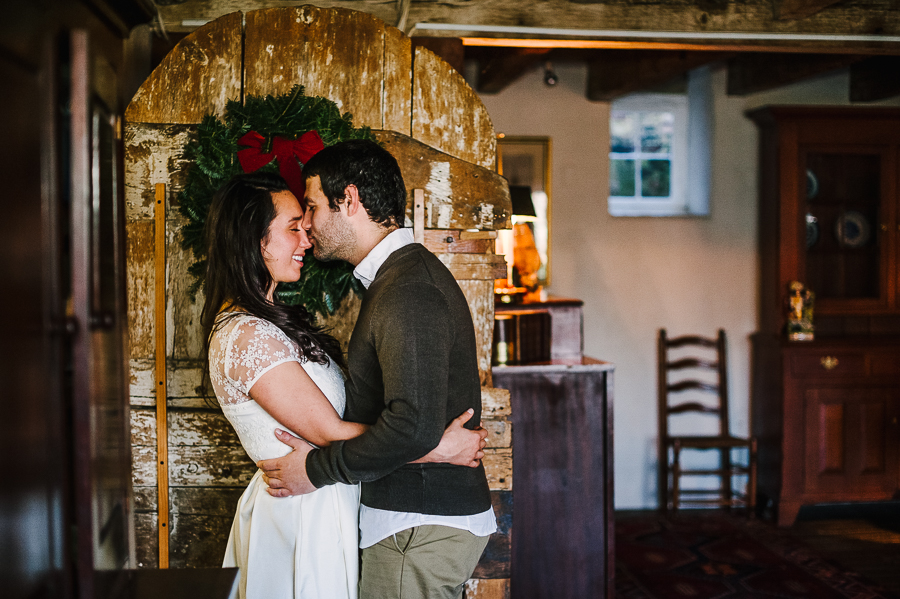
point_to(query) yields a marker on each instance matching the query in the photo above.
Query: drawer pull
(829, 362)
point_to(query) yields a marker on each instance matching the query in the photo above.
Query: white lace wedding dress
(294, 547)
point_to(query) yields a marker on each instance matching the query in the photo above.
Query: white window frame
(690, 153)
(675, 203)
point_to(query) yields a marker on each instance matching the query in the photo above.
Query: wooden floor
(863, 538)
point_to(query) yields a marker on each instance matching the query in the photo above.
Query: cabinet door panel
(851, 443)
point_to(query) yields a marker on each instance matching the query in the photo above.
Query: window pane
(656, 131)
(621, 178)
(655, 178)
(621, 131)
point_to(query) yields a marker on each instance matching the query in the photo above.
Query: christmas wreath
(277, 134)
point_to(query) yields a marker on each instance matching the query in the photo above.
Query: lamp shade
(521, 200)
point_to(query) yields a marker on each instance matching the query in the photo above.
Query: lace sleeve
(256, 346)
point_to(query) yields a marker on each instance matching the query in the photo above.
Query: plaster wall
(637, 275)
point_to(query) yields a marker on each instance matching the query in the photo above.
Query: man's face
(330, 232)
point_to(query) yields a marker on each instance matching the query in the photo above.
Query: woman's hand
(459, 446)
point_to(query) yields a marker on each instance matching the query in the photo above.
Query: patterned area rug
(712, 556)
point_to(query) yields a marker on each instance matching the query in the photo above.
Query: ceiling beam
(616, 73)
(505, 66)
(752, 73)
(875, 18)
(799, 9)
(876, 78)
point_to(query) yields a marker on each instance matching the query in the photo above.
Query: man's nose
(305, 222)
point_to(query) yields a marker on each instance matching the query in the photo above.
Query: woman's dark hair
(236, 274)
(374, 172)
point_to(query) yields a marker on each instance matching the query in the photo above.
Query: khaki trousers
(424, 562)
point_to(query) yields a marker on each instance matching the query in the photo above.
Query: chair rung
(732, 471)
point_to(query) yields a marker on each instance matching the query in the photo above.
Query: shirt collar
(366, 270)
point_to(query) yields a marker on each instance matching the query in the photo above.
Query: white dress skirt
(303, 547)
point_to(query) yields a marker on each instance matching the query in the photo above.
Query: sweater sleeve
(412, 336)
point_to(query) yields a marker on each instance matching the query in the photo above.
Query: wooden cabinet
(825, 411)
(828, 423)
(562, 418)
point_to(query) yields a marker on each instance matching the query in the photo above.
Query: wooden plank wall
(466, 202)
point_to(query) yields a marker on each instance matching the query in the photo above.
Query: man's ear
(351, 200)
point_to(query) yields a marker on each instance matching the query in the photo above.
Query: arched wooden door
(425, 114)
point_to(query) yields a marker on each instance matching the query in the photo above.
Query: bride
(271, 368)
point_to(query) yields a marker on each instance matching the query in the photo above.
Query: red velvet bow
(286, 151)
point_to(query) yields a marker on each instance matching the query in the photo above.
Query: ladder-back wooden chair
(699, 356)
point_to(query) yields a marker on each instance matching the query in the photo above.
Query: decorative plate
(852, 229)
(812, 230)
(812, 185)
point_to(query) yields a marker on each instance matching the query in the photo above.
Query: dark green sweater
(412, 369)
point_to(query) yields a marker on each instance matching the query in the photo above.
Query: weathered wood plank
(495, 403)
(488, 588)
(139, 275)
(153, 154)
(207, 62)
(397, 105)
(337, 54)
(198, 541)
(480, 296)
(448, 49)
(207, 466)
(499, 433)
(446, 241)
(475, 266)
(495, 562)
(210, 501)
(458, 194)
(498, 468)
(147, 547)
(448, 115)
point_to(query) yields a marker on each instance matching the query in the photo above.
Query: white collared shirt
(376, 524)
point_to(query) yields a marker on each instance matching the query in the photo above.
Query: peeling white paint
(270, 49)
(487, 216)
(159, 171)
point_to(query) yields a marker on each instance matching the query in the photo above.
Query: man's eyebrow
(296, 218)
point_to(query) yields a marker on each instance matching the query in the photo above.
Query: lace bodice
(240, 352)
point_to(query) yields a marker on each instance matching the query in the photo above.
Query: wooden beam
(875, 78)
(505, 66)
(744, 16)
(799, 9)
(751, 73)
(616, 73)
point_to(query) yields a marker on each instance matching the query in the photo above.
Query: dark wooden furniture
(562, 418)
(566, 336)
(825, 411)
(693, 368)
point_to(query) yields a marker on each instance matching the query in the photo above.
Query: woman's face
(287, 242)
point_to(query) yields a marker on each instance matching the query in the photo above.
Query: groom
(412, 369)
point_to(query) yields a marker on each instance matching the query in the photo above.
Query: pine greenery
(213, 153)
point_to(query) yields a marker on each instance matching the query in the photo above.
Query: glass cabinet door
(846, 256)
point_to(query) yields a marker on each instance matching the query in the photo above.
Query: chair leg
(662, 478)
(676, 474)
(725, 461)
(751, 484)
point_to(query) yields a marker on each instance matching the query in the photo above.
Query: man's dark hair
(374, 172)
